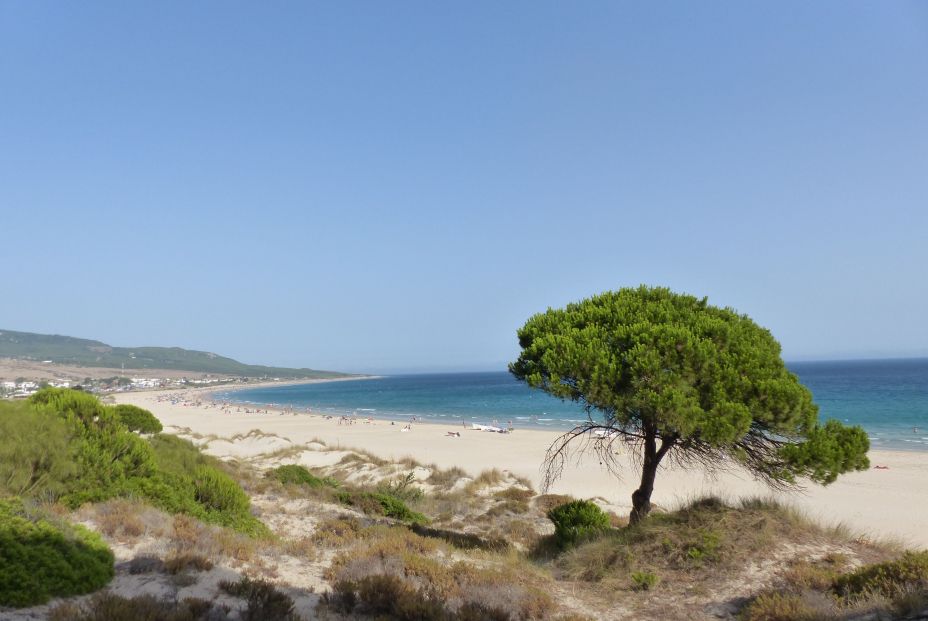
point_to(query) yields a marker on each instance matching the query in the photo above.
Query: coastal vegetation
(42, 556)
(681, 380)
(65, 445)
(492, 548)
(137, 419)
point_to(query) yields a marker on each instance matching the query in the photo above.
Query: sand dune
(890, 502)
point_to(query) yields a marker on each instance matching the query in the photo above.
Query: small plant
(643, 580)
(577, 521)
(402, 488)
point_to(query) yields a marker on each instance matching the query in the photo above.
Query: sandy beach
(886, 502)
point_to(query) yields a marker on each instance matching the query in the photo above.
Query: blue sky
(399, 186)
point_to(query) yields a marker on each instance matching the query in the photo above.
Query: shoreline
(879, 502)
(900, 446)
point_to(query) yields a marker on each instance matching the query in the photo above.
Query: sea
(888, 398)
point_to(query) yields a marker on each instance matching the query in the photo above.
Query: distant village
(22, 388)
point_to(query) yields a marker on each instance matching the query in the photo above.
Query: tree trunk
(641, 498)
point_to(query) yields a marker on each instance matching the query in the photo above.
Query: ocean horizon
(887, 397)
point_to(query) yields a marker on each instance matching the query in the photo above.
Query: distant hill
(87, 353)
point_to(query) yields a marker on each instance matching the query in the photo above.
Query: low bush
(41, 558)
(138, 419)
(386, 596)
(774, 606)
(94, 457)
(186, 561)
(217, 492)
(700, 543)
(380, 503)
(110, 607)
(337, 532)
(193, 483)
(294, 474)
(402, 488)
(817, 575)
(108, 457)
(390, 597)
(906, 574)
(577, 521)
(264, 602)
(433, 585)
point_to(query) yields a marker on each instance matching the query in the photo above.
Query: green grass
(41, 558)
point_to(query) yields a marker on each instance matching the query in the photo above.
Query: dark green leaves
(660, 364)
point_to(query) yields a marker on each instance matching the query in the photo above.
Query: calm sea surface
(889, 398)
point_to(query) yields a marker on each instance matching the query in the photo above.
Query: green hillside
(88, 353)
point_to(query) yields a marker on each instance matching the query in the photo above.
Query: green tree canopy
(678, 378)
(138, 419)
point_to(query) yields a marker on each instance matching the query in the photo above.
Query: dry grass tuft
(127, 520)
(337, 532)
(487, 478)
(177, 563)
(445, 479)
(546, 502)
(213, 542)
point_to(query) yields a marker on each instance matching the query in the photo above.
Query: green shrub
(905, 574)
(380, 503)
(107, 455)
(41, 559)
(395, 508)
(193, 483)
(577, 521)
(111, 461)
(35, 453)
(137, 419)
(294, 474)
(218, 492)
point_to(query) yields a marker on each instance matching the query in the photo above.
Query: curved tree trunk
(641, 497)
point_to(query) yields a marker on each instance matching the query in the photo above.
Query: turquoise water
(888, 398)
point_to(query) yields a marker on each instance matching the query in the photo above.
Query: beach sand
(890, 502)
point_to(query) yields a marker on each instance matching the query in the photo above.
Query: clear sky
(398, 186)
